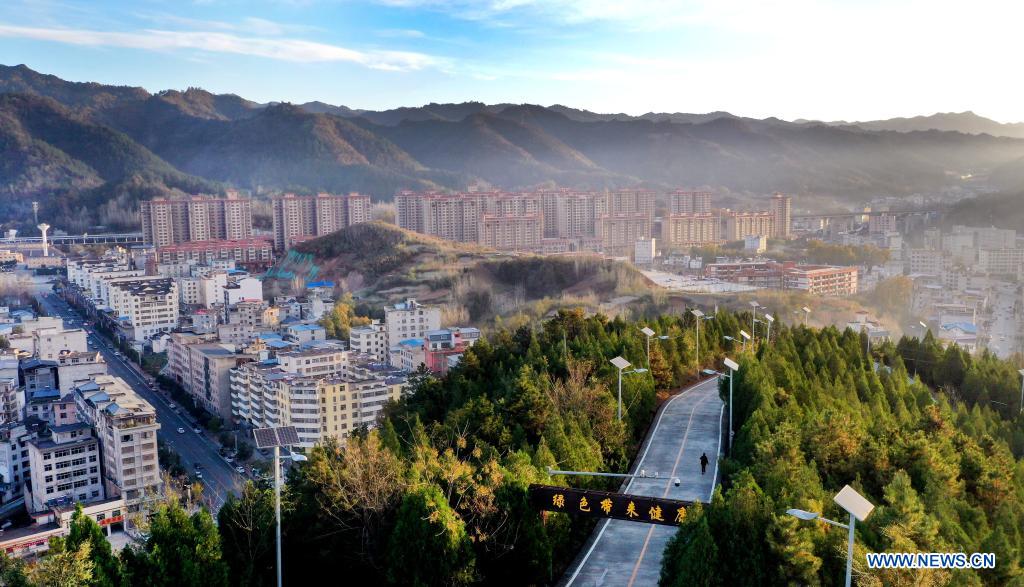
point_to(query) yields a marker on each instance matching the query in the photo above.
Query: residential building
(169, 221)
(1001, 261)
(253, 253)
(739, 225)
(75, 367)
(782, 216)
(882, 223)
(303, 333)
(144, 307)
(571, 214)
(822, 280)
(323, 360)
(685, 230)
(126, 425)
(927, 261)
(439, 346)
(65, 467)
(454, 217)
(298, 218)
(369, 340)
(644, 251)
(689, 202)
(628, 217)
(410, 319)
(207, 379)
(50, 343)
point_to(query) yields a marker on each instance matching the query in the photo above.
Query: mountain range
(87, 147)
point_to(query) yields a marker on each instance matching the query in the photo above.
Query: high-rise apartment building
(297, 218)
(628, 217)
(126, 426)
(409, 319)
(168, 221)
(689, 202)
(65, 467)
(739, 225)
(571, 214)
(689, 230)
(782, 214)
(150, 305)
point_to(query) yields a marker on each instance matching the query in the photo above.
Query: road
(219, 477)
(629, 553)
(1004, 331)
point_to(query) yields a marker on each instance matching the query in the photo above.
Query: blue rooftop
(316, 284)
(965, 326)
(306, 327)
(411, 342)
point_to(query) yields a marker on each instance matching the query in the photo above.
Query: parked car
(240, 469)
(181, 430)
(197, 431)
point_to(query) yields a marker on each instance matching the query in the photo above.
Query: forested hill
(815, 415)
(273, 147)
(438, 494)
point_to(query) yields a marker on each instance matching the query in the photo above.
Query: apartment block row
(297, 218)
(551, 221)
(170, 221)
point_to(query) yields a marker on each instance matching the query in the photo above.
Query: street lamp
(746, 337)
(1021, 371)
(276, 438)
(733, 367)
(770, 319)
(621, 364)
(753, 316)
(697, 315)
(646, 330)
(807, 312)
(858, 508)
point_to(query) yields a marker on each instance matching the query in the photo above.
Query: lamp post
(770, 319)
(746, 337)
(621, 364)
(646, 330)
(858, 508)
(276, 438)
(807, 312)
(1021, 411)
(753, 316)
(697, 315)
(733, 367)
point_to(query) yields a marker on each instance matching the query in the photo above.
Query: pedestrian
(703, 463)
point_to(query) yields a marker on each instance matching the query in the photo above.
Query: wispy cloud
(283, 49)
(402, 34)
(248, 25)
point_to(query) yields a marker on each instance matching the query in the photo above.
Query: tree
(246, 527)
(12, 571)
(691, 557)
(342, 318)
(429, 545)
(179, 550)
(106, 567)
(69, 568)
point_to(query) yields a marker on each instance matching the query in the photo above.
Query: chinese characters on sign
(604, 504)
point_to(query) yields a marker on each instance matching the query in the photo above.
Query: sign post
(605, 504)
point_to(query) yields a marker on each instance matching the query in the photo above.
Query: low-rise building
(369, 340)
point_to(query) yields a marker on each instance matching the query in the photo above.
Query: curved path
(629, 553)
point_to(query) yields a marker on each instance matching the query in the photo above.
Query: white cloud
(284, 49)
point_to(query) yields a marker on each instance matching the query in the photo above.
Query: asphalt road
(629, 553)
(1003, 336)
(219, 477)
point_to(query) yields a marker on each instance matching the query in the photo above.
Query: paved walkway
(629, 553)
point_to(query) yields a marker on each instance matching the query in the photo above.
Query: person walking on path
(703, 463)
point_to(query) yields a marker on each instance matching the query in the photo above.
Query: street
(629, 553)
(1004, 331)
(219, 477)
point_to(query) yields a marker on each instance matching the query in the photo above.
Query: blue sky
(795, 58)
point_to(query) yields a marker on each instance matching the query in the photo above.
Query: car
(199, 474)
(240, 470)
(255, 472)
(181, 430)
(197, 431)
(172, 406)
(229, 459)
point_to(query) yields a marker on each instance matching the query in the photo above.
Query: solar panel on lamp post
(276, 438)
(753, 316)
(770, 319)
(746, 337)
(858, 508)
(697, 314)
(621, 364)
(646, 330)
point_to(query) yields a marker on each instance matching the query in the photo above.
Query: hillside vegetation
(381, 263)
(814, 414)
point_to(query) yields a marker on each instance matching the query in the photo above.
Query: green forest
(941, 466)
(437, 494)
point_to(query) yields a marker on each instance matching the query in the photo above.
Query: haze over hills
(966, 122)
(103, 141)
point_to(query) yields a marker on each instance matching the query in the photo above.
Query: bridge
(123, 238)
(849, 214)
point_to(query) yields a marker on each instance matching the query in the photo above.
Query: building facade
(168, 221)
(297, 218)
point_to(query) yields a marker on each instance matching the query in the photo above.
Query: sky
(827, 60)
